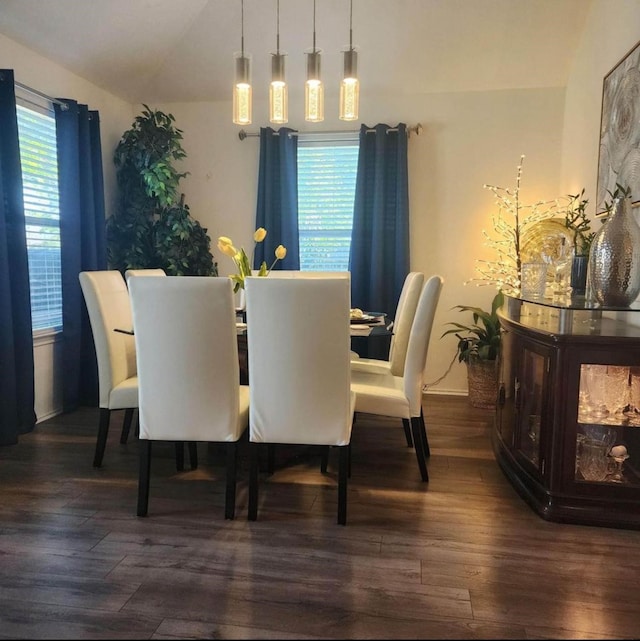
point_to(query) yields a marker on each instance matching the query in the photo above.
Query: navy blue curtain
(277, 209)
(83, 243)
(379, 258)
(17, 392)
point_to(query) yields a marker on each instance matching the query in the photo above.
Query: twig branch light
(510, 224)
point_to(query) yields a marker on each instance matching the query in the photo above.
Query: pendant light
(350, 87)
(278, 107)
(242, 85)
(313, 89)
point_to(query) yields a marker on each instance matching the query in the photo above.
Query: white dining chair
(188, 370)
(405, 313)
(132, 273)
(300, 273)
(107, 300)
(298, 341)
(386, 394)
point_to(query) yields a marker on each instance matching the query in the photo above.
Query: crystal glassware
(595, 381)
(616, 393)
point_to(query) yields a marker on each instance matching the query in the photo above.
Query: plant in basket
(479, 347)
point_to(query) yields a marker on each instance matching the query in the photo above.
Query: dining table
(370, 338)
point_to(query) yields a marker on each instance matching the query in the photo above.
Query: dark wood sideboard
(557, 361)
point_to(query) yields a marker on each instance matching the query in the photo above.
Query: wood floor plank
(21, 619)
(460, 557)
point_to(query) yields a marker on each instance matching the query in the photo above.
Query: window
(38, 156)
(327, 170)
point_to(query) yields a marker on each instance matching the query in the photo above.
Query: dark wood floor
(462, 557)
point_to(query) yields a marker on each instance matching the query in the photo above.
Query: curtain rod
(417, 129)
(35, 92)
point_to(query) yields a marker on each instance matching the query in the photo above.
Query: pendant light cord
(242, 28)
(277, 27)
(350, 22)
(314, 26)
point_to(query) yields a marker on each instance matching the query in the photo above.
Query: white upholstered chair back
(418, 345)
(132, 273)
(187, 349)
(299, 343)
(107, 299)
(297, 273)
(405, 312)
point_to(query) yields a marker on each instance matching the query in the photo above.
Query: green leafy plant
(575, 219)
(620, 191)
(483, 338)
(152, 227)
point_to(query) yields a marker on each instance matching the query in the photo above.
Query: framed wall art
(619, 156)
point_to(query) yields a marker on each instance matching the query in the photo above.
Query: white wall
(611, 30)
(468, 139)
(39, 73)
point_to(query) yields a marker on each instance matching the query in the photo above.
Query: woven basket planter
(483, 383)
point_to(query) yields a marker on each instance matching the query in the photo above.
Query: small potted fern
(479, 347)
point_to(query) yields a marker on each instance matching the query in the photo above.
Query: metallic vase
(614, 260)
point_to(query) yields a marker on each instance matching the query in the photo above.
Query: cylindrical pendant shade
(313, 90)
(278, 98)
(242, 90)
(350, 87)
(350, 64)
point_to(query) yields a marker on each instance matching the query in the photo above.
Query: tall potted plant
(479, 347)
(152, 226)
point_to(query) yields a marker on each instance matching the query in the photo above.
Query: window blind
(38, 156)
(326, 192)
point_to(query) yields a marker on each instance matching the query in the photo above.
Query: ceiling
(182, 50)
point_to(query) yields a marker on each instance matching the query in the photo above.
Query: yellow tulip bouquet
(240, 258)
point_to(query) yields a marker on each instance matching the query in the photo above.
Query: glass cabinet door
(607, 439)
(531, 386)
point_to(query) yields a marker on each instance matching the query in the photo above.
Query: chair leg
(126, 425)
(324, 460)
(407, 432)
(193, 454)
(138, 424)
(343, 473)
(103, 432)
(143, 476)
(271, 458)
(253, 482)
(423, 433)
(417, 442)
(179, 456)
(230, 494)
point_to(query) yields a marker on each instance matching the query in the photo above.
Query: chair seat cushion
(381, 394)
(124, 394)
(371, 365)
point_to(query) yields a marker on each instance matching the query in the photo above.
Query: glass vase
(579, 275)
(614, 260)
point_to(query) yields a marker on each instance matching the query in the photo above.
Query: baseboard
(50, 414)
(445, 392)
